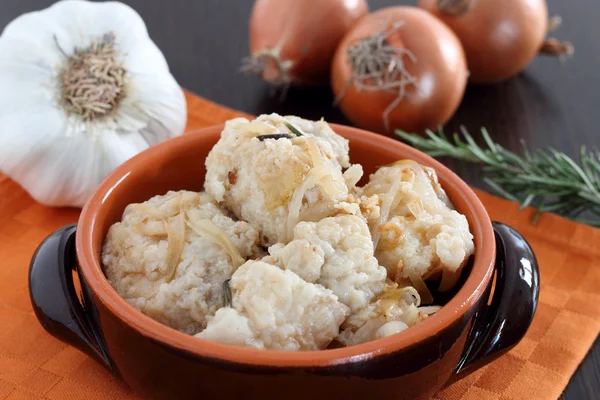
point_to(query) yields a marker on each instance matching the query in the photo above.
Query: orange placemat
(33, 365)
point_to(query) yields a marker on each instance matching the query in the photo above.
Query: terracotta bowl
(470, 330)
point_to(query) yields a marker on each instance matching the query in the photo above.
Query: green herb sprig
(546, 179)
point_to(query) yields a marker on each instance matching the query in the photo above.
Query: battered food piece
(274, 172)
(170, 255)
(336, 252)
(418, 234)
(276, 309)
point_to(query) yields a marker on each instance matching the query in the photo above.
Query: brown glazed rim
(472, 289)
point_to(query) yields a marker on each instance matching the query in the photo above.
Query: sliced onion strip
(314, 153)
(207, 229)
(419, 284)
(318, 212)
(386, 207)
(176, 239)
(428, 310)
(310, 180)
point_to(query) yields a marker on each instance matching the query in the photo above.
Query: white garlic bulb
(82, 89)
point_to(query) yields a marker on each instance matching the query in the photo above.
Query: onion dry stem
(269, 64)
(454, 7)
(376, 65)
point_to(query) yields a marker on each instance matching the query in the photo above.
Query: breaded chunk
(336, 252)
(272, 177)
(164, 268)
(276, 309)
(417, 232)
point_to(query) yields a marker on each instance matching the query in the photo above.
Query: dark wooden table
(550, 104)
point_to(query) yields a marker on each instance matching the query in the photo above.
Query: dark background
(550, 104)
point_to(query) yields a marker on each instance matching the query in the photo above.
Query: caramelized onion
(176, 238)
(419, 284)
(207, 229)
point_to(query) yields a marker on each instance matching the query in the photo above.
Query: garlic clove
(18, 152)
(93, 161)
(146, 59)
(155, 132)
(102, 17)
(78, 20)
(122, 145)
(33, 51)
(18, 99)
(44, 177)
(161, 97)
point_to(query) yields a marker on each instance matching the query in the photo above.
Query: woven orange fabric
(33, 365)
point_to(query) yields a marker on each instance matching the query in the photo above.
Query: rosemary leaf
(500, 190)
(590, 197)
(293, 129)
(546, 179)
(488, 140)
(275, 136)
(536, 217)
(226, 293)
(527, 201)
(442, 135)
(581, 174)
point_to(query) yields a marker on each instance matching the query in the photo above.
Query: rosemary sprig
(545, 179)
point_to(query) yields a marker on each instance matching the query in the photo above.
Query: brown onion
(292, 41)
(399, 67)
(500, 38)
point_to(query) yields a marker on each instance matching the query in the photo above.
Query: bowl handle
(54, 298)
(499, 326)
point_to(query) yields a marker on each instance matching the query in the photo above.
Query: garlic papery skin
(82, 89)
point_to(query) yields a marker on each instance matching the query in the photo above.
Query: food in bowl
(418, 234)
(284, 251)
(266, 172)
(337, 253)
(169, 257)
(276, 309)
